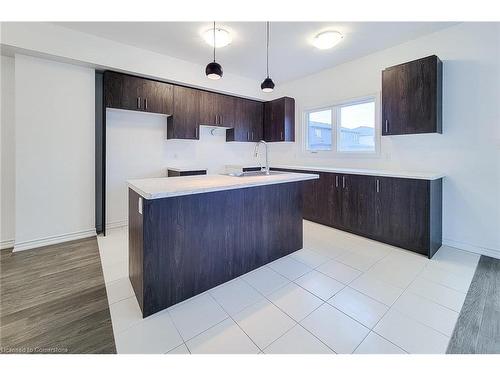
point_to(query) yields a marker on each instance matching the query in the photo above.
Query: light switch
(140, 205)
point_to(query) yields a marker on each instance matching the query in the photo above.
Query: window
(319, 130)
(356, 127)
(348, 127)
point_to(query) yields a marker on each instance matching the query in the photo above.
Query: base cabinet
(398, 211)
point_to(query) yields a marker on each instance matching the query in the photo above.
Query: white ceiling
(291, 53)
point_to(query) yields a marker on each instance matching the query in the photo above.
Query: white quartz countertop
(164, 187)
(369, 172)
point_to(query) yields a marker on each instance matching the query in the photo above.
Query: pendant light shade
(214, 69)
(267, 85)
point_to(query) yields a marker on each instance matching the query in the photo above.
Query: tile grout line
(230, 317)
(284, 312)
(409, 317)
(178, 332)
(389, 307)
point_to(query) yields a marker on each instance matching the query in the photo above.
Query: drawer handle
(387, 126)
(146, 103)
(138, 102)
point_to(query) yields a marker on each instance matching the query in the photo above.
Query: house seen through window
(348, 127)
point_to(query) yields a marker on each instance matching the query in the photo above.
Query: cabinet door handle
(378, 186)
(343, 182)
(196, 132)
(221, 119)
(248, 136)
(336, 181)
(252, 136)
(138, 102)
(281, 135)
(387, 126)
(146, 103)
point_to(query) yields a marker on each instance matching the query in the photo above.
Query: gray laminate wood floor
(53, 300)
(478, 327)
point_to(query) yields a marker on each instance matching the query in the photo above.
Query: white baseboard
(117, 224)
(6, 244)
(52, 240)
(494, 253)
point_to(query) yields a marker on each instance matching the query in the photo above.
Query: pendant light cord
(214, 41)
(267, 50)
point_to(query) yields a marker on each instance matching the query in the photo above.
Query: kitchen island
(190, 234)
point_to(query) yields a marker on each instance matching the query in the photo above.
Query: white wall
(7, 188)
(54, 146)
(468, 151)
(136, 147)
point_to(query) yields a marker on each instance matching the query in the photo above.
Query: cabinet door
(133, 93)
(403, 213)
(394, 100)
(358, 203)
(337, 199)
(256, 115)
(208, 108)
(421, 85)
(288, 120)
(158, 97)
(183, 124)
(268, 121)
(310, 197)
(225, 107)
(274, 115)
(113, 90)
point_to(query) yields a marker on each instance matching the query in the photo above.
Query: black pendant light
(267, 85)
(213, 69)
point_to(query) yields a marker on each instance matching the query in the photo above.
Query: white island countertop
(164, 187)
(369, 172)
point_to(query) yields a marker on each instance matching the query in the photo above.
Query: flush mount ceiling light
(217, 37)
(214, 69)
(267, 85)
(327, 39)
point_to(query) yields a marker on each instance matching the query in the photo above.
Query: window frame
(335, 108)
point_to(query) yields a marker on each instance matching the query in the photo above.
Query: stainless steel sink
(254, 173)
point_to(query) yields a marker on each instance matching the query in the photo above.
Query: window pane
(319, 130)
(357, 127)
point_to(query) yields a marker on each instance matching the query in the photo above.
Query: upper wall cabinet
(184, 123)
(279, 120)
(412, 97)
(248, 121)
(138, 94)
(217, 109)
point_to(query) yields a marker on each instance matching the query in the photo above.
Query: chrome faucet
(256, 154)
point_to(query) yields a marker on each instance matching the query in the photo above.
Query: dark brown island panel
(184, 245)
(403, 212)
